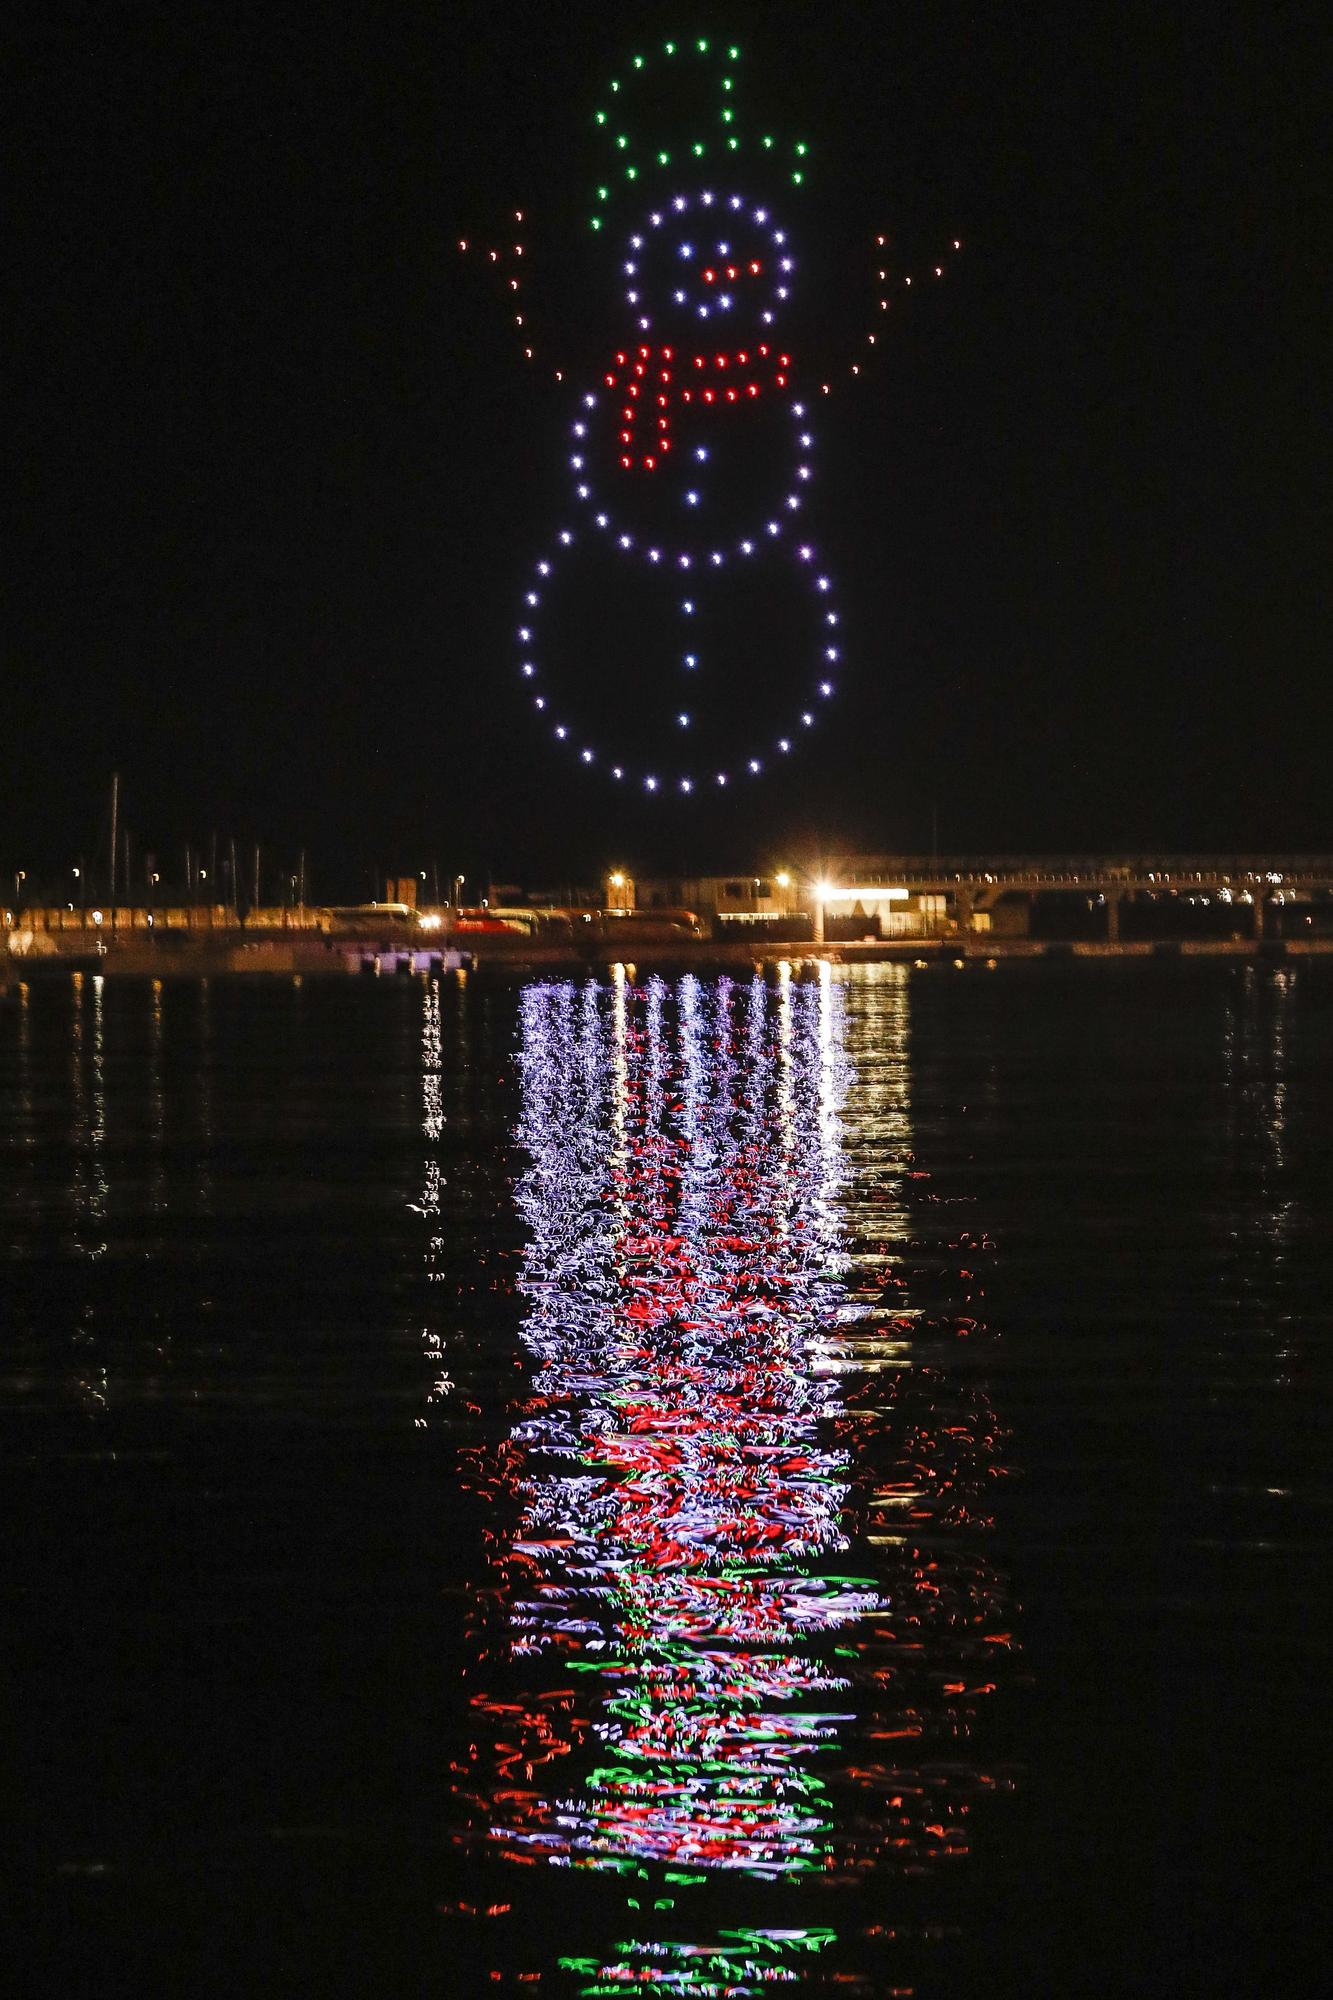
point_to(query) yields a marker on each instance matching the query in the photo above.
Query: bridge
(976, 894)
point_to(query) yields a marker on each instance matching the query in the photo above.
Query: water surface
(676, 1485)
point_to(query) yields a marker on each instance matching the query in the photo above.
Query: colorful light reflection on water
(742, 1617)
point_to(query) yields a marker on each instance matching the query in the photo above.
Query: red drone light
(756, 373)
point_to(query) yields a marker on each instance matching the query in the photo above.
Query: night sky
(279, 472)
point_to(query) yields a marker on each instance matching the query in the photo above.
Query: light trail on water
(692, 1683)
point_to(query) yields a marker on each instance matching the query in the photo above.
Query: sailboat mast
(115, 821)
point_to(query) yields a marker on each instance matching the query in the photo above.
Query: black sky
(277, 471)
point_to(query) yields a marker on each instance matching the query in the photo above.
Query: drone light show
(680, 629)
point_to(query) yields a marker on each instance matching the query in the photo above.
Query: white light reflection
(683, 1259)
(89, 1187)
(432, 1185)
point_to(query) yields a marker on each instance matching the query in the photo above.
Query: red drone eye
(710, 277)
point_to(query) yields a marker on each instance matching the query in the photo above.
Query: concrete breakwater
(208, 955)
(204, 954)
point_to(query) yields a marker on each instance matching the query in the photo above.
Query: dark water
(689, 1487)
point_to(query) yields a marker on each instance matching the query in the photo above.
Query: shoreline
(206, 958)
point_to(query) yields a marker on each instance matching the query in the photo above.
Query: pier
(923, 909)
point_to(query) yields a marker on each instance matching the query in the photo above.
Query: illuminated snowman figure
(701, 387)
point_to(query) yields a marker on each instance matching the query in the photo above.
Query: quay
(496, 960)
(863, 908)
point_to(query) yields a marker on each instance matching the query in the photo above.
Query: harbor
(989, 910)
